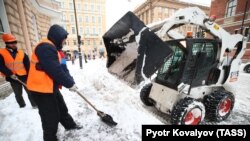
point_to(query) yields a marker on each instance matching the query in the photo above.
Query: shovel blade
(106, 118)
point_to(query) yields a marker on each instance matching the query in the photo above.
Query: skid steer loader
(193, 75)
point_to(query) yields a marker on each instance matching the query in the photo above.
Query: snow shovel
(105, 117)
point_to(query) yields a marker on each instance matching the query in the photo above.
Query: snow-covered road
(109, 95)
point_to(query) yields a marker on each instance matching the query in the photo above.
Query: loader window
(208, 49)
(169, 73)
(201, 60)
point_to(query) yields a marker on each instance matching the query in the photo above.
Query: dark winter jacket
(48, 57)
(7, 72)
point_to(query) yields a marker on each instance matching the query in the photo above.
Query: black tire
(247, 68)
(144, 95)
(219, 105)
(182, 110)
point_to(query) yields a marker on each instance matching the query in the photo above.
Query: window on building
(73, 30)
(94, 42)
(80, 18)
(86, 30)
(79, 6)
(88, 42)
(81, 31)
(97, 31)
(100, 31)
(99, 19)
(72, 18)
(92, 7)
(231, 8)
(4, 24)
(71, 6)
(86, 19)
(74, 42)
(90, 30)
(62, 4)
(98, 8)
(93, 19)
(85, 7)
(94, 31)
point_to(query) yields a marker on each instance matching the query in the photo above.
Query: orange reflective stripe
(38, 80)
(15, 65)
(10, 66)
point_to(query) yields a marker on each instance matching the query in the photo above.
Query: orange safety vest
(15, 65)
(38, 80)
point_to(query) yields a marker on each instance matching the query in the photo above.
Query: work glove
(13, 76)
(74, 88)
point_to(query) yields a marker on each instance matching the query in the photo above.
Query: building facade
(28, 21)
(152, 11)
(230, 14)
(91, 21)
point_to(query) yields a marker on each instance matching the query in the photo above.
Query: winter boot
(76, 127)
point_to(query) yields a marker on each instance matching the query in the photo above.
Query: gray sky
(117, 8)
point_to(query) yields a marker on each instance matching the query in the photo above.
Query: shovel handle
(88, 101)
(98, 112)
(21, 82)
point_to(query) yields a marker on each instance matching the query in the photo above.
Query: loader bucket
(133, 51)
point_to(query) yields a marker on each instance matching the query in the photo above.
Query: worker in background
(14, 64)
(45, 75)
(101, 52)
(63, 61)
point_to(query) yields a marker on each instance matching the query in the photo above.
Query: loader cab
(193, 62)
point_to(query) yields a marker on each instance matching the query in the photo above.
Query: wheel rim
(248, 70)
(193, 117)
(225, 106)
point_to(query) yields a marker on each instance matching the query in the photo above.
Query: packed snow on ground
(109, 95)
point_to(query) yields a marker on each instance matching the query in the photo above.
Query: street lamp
(78, 37)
